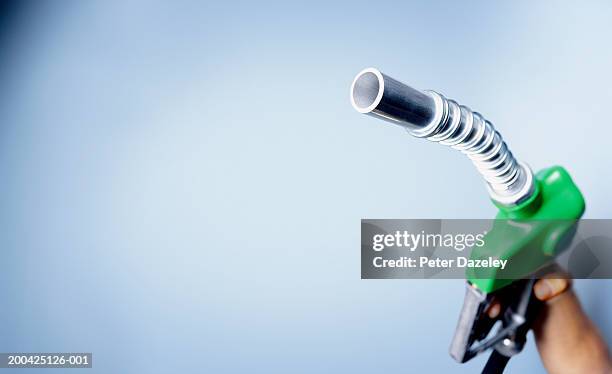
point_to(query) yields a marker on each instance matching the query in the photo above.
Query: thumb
(547, 288)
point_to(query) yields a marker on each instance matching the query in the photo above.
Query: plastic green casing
(531, 234)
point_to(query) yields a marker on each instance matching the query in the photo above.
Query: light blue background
(182, 182)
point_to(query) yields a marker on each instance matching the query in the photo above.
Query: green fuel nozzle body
(530, 235)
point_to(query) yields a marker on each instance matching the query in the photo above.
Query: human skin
(567, 339)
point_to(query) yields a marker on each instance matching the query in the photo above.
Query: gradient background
(182, 183)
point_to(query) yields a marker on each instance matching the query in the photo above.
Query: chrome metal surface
(376, 94)
(428, 114)
(474, 305)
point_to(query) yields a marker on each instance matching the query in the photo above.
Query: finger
(547, 288)
(494, 309)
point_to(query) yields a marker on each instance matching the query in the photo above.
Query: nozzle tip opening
(367, 90)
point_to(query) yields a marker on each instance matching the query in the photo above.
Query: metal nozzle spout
(431, 116)
(376, 94)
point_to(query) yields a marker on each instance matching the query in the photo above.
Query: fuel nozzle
(428, 114)
(549, 204)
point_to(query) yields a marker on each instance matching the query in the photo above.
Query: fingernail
(556, 285)
(542, 289)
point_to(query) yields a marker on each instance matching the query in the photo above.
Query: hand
(567, 340)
